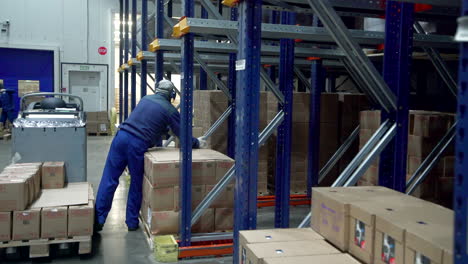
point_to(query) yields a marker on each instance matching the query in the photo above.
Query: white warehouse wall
(76, 28)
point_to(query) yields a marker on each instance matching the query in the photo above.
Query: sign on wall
(102, 50)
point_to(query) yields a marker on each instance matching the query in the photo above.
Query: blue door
(25, 64)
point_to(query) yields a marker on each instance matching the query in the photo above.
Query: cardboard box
(81, 219)
(163, 222)
(14, 194)
(275, 235)
(5, 226)
(203, 172)
(54, 222)
(53, 175)
(26, 224)
(103, 116)
(159, 199)
(225, 198)
(222, 167)
(161, 174)
(319, 259)
(206, 223)
(92, 116)
(431, 124)
(255, 253)
(224, 219)
(370, 120)
(330, 210)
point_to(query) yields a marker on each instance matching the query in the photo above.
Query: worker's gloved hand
(2, 90)
(202, 142)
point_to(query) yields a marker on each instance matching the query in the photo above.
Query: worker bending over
(7, 104)
(145, 126)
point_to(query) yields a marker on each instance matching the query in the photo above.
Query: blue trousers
(126, 150)
(7, 115)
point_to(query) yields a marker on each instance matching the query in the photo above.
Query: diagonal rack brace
(356, 57)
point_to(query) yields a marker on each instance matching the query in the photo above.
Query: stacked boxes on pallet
(160, 207)
(379, 225)
(98, 123)
(425, 131)
(288, 246)
(29, 213)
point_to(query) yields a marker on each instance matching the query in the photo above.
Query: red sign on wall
(102, 50)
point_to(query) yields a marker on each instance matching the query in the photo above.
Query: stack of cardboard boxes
(27, 213)
(98, 123)
(160, 207)
(379, 225)
(286, 246)
(425, 131)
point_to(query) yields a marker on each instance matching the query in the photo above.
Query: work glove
(2, 90)
(202, 142)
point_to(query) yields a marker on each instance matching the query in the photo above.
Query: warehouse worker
(7, 104)
(143, 128)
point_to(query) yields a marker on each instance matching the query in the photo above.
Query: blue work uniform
(142, 130)
(8, 106)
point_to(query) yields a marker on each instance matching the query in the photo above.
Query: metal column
(461, 164)
(121, 61)
(134, 54)
(232, 90)
(203, 76)
(272, 69)
(247, 116)
(186, 111)
(159, 26)
(126, 46)
(397, 74)
(144, 45)
(283, 147)
(317, 86)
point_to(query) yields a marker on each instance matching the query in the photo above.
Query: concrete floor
(114, 244)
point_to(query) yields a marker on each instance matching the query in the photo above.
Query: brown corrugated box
(392, 228)
(103, 116)
(224, 219)
(14, 194)
(26, 224)
(319, 259)
(163, 222)
(330, 210)
(206, 224)
(430, 236)
(255, 253)
(159, 199)
(225, 198)
(81, 219)
(274, 235)
(362, 221)
(53, 175)
(54, 222)
(5, 226)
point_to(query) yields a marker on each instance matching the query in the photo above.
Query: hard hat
(167, 88)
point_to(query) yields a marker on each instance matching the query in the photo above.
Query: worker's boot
(97, 226)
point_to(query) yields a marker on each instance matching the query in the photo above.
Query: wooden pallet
(41, 247)
(99, 134)
(5, 137)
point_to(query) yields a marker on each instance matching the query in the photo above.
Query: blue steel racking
(249, 43)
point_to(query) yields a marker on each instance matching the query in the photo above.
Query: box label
(388, 249)
(360, 234)
(244, 255)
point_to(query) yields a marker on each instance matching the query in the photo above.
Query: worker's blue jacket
(151, 117)
(6, 100)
